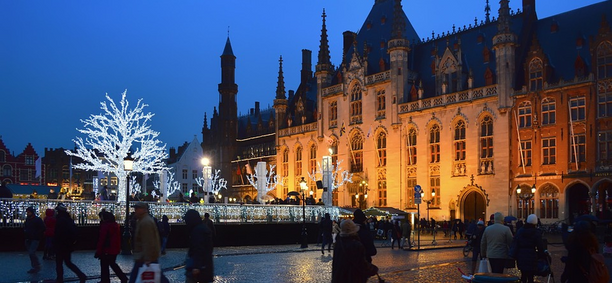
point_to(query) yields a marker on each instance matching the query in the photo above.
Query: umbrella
(509, 219)
(293, 193)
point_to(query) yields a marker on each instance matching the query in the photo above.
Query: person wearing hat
(63, 241)
(350, 263)
(365, 236)
(529, 247)
(146, 248)
(33, 230)
(495, 242)
(476, 238)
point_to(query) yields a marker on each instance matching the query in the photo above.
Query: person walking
(495, 242)
(146, 247)
(335, 231)
(210, 224)
(396, 235)
(199, 266)
(49, 233)
(66, 235)
(365, 237)
(529, 247)
(476, 238)
(406, 230)
(349, 263)
(326, 233)
(109, 245)
(164, 231)
(33, 230)
(455, 228)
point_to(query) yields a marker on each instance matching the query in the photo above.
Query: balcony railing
(448, 99)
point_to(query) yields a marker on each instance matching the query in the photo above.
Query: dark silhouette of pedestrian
(109, 245)
(350, 262)
(530, 247)
(396, 235)
(475, 241)
(66, 235)
(326, 226)
(164, 232)
(365, 237)
(199, 266)
(210, 224)
(33, 230)
(49, 234)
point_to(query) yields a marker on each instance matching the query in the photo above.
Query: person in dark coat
(164, 231)
(396, 235)
(49, 233)
(326, 231)
(580, 244)
(199, 266)
(366, 238)
(33, 230)
(476, 237)
(530, 247)
(64, 240)
(350, 263)
(109, 245)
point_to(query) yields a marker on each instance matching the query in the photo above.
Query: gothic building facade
(469, 116)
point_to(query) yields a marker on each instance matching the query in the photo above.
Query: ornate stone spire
(280, 87)
(503, 22)
(399, 25)
(324, 58)
(487, 12)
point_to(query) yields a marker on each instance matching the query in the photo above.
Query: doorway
(474, 206)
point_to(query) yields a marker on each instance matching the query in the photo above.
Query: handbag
(484, 266)
(149, 274)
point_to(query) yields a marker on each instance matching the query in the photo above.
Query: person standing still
(495, 242)
(199, 266)
(164, 231)
(210, 224)
(33, 230)
(109, 245)
(406, 230)
(146, 247)
(64, 240)
(365, 237)
(326, 232)
(530, 247)
(49, 233)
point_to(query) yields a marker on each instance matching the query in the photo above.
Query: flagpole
(518, 135)
(569, 106)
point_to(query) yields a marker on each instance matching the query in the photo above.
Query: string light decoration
(331, 180)
(112, 134)
(263, 181)
(216, 183)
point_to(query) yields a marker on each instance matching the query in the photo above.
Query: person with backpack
(66, 235)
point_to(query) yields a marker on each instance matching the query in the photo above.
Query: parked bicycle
(468, 248)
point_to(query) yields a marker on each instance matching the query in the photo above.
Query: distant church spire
(205, 121)
(487, 12)
(324, 45)
(280, 88)
(399, 25)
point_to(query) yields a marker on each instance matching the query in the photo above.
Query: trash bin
(494, 277)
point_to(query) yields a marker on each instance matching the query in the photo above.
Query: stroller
(544, 266)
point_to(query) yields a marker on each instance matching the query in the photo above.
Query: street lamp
(206, 175)
(303, 187)
(525, 197)
(126, 247)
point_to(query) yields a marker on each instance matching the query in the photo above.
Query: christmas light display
(263, 181)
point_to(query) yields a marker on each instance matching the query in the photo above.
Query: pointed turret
(323, 72)
(503, 22)
(487, 12)
(280, 101)
(280, 86)
(399, 50)
(505, 44)
(324, 58)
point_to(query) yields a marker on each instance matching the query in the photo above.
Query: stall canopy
(385, 211)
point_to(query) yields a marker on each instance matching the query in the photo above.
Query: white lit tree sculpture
(135, 187)
(263, 181)
(215, 184)
(167, 186)
(112, 134)
(329, 174)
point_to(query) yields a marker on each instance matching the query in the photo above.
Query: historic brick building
(18, 169)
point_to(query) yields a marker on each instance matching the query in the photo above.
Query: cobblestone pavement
(284, 263)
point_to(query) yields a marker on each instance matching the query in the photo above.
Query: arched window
(381, 149)
(356, 152)
(2, 156)
(524, 114)
(604, 60)
(7, 171)
(434, 144)
(411, 146)
(380, 104)
(298, 161)
(536, 68)
(548, 111)
(356, 107)
(459, 140)
(549, 202)
(312, 167)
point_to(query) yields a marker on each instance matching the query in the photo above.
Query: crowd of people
(149, 238)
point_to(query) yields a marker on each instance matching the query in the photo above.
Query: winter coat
(66, 232)
(326, 227)
(50, 222)
(530, 247)
(146, 240)
(406, 229)
(349, 262)
(367, 240)
(34, 228)
(495, 241)
(199, 254)
(109, 241)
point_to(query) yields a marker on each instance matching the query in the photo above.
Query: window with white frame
(536, 68)
(459, 140)
(578, 108)
(604, 60)
(524, 114)
(356, 107)
(604, 148)
(578, 148)
(525, 158)
(434, 144)
(549, 151)
(381, 149)
(548, 111)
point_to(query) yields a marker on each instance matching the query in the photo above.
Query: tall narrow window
(604, 140)
(411, 145)
(486, 137)
(333, 114)
(459, 140)
(410, 183)
(381, 149)
(285, 163)
(434, 185)
(184, 174)
(536, 68)
(604, 60)
(578, 148)
(380, 104)
(312, 159)
(524, 114)
(356, 152)
(356, 107)
(298, 161)
(548, 111)
(526, 156)
(578, 108)
(434, 144)
(549, 151)
(382, 192)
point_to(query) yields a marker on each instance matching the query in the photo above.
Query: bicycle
(467, 249)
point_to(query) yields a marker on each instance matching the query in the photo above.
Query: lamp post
(206, 175)
(327, 180)
(525, 197)
(303, 187)
(126, 246)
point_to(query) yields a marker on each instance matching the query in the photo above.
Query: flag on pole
(38, 167)
(249, 170)
(369, 132)
(342, 129)
(328, 140)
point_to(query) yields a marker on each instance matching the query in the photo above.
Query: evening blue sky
(59, 58)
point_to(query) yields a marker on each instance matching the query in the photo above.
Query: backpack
(598, 272)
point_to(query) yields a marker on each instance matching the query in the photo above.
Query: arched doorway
(603, 200)
(474, 206)
(578, 201)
